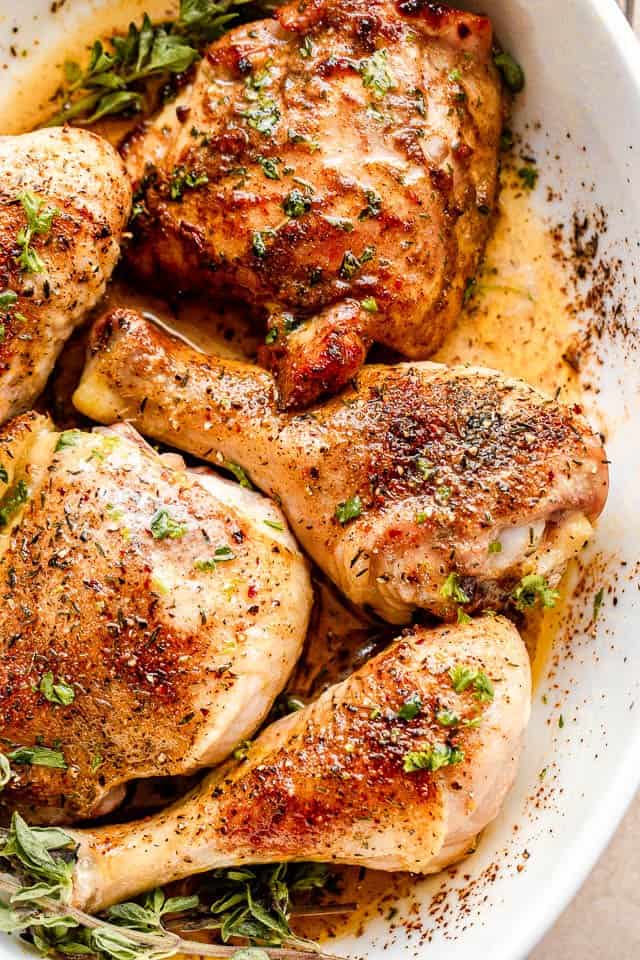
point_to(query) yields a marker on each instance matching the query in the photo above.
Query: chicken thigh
(419, 486)
(399, 767)
(334, 168)
(150, 615)
(64, 202)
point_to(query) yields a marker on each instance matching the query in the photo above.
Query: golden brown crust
(382, 120)
(444, 461)
(151, 643)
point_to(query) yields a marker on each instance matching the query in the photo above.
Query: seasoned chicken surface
(150, 615)
(335, 169)
(64, 202)
(398, 767)
(419, 486)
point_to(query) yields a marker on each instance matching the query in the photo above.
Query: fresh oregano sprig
(116, 78)
(34, 902)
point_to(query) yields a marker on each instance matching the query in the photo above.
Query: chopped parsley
(495, 547)
(410, 708)
(462, 677)
(262, 116)
(258, 244)
(533, 590)
(451, 589)
(351, 264)
(269, 166)
(56, 691)
(370, 304)
(373, 207)
(69, 438)
(38, 757)
(164, 527)
(376, 75)
(349, 509)
(432, 758)
(295, 204)
(512, 72)
(238, 473)
(11, 502)
(463, 616)
(447, 718)
(306, 48)
(529, 176)
(39, 221)
(425, 468)
(274, 524)
(220, 555)
(7, 299)
(183, 179)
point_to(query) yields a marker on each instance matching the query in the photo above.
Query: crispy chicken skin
(414, 472)
(335, 169)
(83, 179)
(330, 782)
(159, 597)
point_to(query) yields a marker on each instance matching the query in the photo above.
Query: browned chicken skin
(150, 615)
(340, 780)
(77, 184)
(415, 472)
(335, 169)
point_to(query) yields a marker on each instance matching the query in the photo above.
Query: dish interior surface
(580, 118)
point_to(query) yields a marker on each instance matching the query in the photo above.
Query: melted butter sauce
(517, 321)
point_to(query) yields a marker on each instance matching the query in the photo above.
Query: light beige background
(603, 922)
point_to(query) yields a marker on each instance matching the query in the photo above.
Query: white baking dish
(583, 70)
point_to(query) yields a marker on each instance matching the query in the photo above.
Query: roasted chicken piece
(399, 767)
(335, 169)
(150, 615)
(64, 201)
(419, 486)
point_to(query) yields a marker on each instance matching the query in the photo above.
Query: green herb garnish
(373, 207)
(39, 222)
(306, 48)
(512, 72)
(432, 758)
(451, 590)
(115, 80)
(274, 524)
(38, 757)
(462, 677)
(370, 304)
(534, 590)
(56, 691)
(69, 438)
(164, 527)
(376, 75)
(11, 502)
(351, 264)
(410, 708)
(183, 179)
(7, 299)
(238, 473)
(295, 204)
(529, 176)
(349, 509)
(269, 167)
